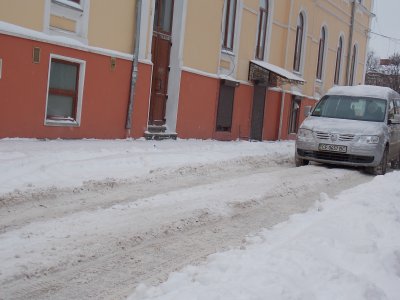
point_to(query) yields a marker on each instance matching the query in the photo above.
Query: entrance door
(257, 116)
(161, 48)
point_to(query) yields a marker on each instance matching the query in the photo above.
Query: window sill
(319, 81)
(298, 73)
(68, 4)
(66, 123)
(228, 52)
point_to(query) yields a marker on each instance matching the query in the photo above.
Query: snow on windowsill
(69, 4)
(319, 82)
(228, 52)
(64, 122)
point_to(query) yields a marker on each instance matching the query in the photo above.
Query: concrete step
(156, 128)
(160, 135)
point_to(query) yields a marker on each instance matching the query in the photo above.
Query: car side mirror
(307, 110)
(394, 120)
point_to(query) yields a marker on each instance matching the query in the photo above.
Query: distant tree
(394, 71)
(372, 61)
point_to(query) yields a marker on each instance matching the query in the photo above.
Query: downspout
(371, 16)
(285, 65)
(350, 46)
(134, 74)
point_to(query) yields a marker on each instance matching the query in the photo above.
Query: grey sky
(386, 22)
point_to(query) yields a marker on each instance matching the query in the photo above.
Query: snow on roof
(361, 90)
(278, 70)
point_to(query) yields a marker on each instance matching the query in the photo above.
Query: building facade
(221, 69)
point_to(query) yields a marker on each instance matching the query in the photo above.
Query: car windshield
(351, 107)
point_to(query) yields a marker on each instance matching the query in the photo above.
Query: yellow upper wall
(111, 25)
(247, 40)
(202, 34)
(28, 14)
(202, 48)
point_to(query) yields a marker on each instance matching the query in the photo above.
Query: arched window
(262, 29)
(338, 67)
(321, 53)
(299, 43)
(229, 24)
(353, 65)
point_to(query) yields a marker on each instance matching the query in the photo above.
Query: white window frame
(70, 10)
(353, 67)
(262, 35)
(82, 67)
(341, 62)
(324, 54)
(229, 32)
(302, 12)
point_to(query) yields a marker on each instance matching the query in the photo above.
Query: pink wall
(23, 89)
(197, 106)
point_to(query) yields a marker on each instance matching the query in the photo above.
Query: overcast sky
(386, 22)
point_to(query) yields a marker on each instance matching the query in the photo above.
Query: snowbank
(344, 248)
(27, 164)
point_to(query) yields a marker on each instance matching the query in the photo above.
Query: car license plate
(332, 148)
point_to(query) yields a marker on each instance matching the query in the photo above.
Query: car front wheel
(382, 167)
(300, 162)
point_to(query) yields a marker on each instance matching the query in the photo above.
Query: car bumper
(365, 155)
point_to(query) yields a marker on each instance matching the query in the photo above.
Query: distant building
(207, 69)
(382, 79)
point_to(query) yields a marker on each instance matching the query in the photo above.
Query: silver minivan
(354, 126)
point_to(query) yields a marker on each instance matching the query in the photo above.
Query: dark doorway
(225, 105)
(160, 51)
(257, 116)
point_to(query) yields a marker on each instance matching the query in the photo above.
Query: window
(69, 18)
(397, 106)
(65, 91)
(338, 67)
(225, 105)
(294, 115)
(229, 24)
(67, 2)
(392, 110)
(163, 16)
(353, 66)
(321, 53)
(299, 43)
(351, 107)
(262, 29)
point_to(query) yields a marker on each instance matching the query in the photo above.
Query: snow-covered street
(93, 219)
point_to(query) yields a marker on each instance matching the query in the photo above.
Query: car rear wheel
(301, 162)
(382, 167)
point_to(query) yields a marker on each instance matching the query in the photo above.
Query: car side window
(397, 106)
(391, 109)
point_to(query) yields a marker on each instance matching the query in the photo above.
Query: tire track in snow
(167, 243)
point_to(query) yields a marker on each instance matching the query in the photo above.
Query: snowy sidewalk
(27, 164)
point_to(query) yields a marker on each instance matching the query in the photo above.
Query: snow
(278, 70)
(344, 248)
(343, 126)
(31, 164)
(362, 90)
